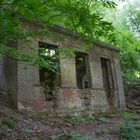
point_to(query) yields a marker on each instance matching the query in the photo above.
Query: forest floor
(28, 126)
(132, 94)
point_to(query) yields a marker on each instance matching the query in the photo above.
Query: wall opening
(49, 76)
(82, 70)
(107, 80)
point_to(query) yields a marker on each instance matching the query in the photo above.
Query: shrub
(130, 129)
(9, 122)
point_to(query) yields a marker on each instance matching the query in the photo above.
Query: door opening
(107, 79)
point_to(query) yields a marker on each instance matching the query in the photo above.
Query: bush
(130, 129)
(9, 122)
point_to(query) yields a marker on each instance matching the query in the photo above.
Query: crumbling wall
(30, 94)
(8, 75)
(68, 97)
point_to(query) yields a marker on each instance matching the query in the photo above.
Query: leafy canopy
(83, 16)
(126, 22)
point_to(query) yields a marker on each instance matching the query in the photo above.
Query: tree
(126, 24)
(83, 16)
(132, 10)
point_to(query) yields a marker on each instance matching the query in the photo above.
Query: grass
(75, 136)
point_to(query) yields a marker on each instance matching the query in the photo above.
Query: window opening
(49, 76)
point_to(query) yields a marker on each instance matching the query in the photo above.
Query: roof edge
(62, 30)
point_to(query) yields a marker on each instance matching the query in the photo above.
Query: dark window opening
(107, 78)
(49, 76)
(82, 70)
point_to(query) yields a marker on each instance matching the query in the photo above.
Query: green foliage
(130, 116)
(75, 136)
(88, 17)
(132, 14)
(85, 118)
(126, 37)
(130, 129)
(80, 118)
(78, 15)
(129, 54)
(9, 122)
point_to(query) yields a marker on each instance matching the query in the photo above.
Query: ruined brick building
(87, 81)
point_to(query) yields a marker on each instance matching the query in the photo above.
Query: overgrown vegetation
(125, 19)
(10, 123)
(75, 136)
(7, 122)
(98, 19)
(80, 118)
(104, 118)
(130, 129)
(78, 15)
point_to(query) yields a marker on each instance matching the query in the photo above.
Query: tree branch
(54, 17)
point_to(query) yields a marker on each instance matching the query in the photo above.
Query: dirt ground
(32, 127)
(132, 94)
(28, 126)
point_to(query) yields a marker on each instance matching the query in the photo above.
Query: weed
(80, 118)
(87, 118)
(9, 122)
(75, 136)
(130, 116)
(130, 129)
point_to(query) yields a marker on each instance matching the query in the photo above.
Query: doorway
(108, 80)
